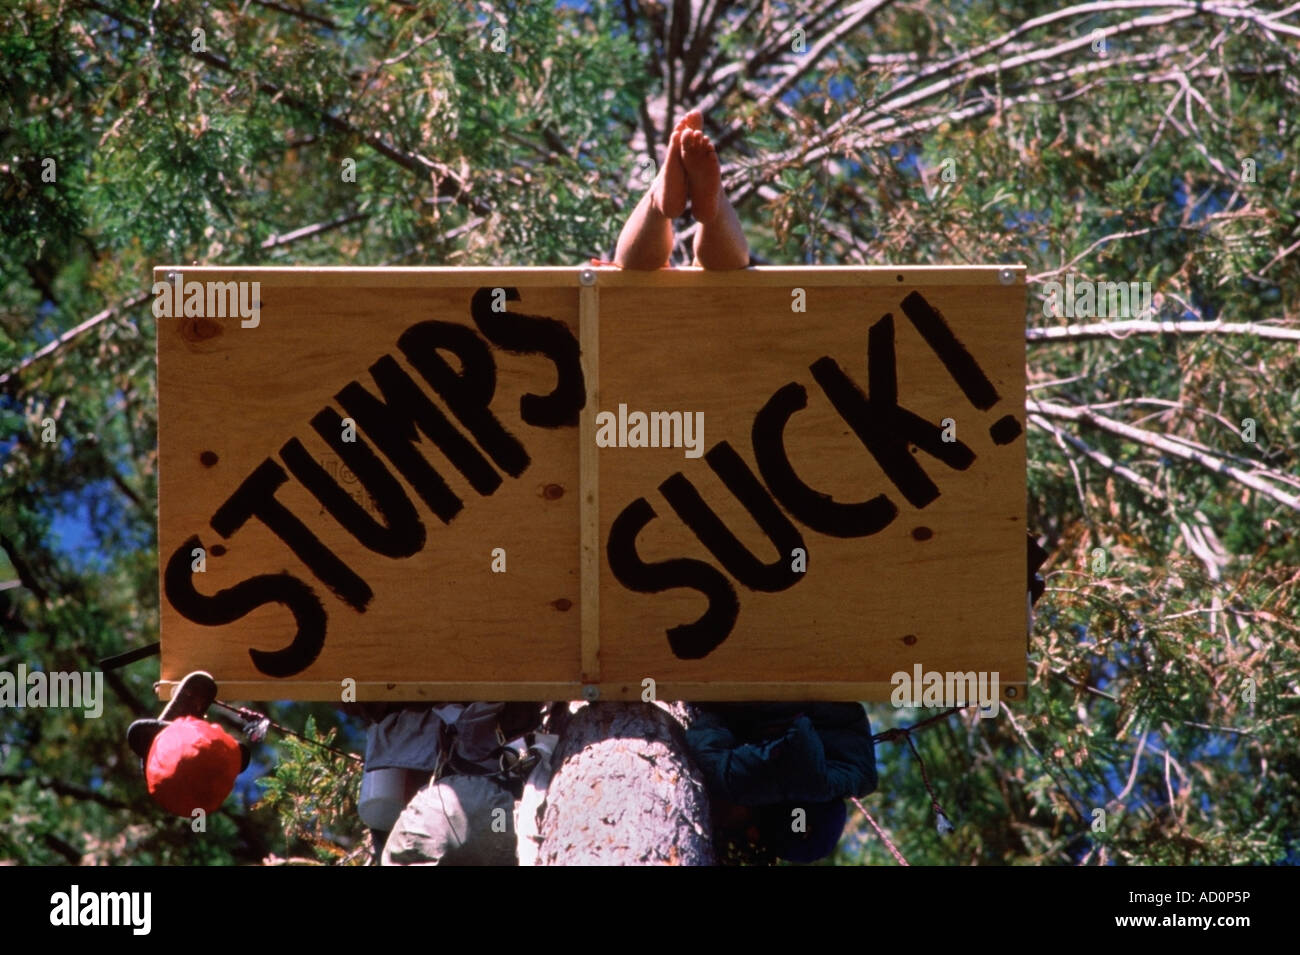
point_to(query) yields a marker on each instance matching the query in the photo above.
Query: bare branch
(853, 18)
(308, 231)
(1123, 329)
(1162, 443)
(1133, 771)
(72, 333)
(1040, 276)
(1105, 460)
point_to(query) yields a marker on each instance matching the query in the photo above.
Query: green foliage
(313, 794)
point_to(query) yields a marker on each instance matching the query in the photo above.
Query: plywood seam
(588, 484)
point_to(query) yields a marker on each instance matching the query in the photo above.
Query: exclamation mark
(961, 364)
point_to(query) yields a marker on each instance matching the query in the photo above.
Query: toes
(692, 120)
(695, 143)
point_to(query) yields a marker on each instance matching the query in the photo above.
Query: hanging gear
(496, 740)
(192, 765)
(188, 762)
(459, 820)
(480, 755)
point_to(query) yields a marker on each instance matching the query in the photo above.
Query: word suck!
(884, 427)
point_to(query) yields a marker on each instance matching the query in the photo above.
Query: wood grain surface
(940, 584)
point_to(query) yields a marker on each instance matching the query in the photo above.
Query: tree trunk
(625, 792)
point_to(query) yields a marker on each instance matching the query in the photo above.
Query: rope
(256, 717)
(934, 800)
(905, 732)
(890, 736)
(893, 849)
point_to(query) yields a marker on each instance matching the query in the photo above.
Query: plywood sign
(781, 483)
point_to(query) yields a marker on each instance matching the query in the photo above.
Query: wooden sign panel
(781, 483)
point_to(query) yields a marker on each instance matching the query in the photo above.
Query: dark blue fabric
(758, 754)
(820, 834)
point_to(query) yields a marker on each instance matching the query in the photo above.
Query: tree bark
(625, 792)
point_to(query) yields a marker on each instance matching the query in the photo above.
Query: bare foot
(670, 187)
(669, 190)
(703, 173)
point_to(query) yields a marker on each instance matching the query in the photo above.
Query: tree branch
(118, 686)
(70, 334)
(65, 789)
(306, 15)
(1122, 329)
(854, 17)
(1162, 443)
(65, 849)
(24, 572)
(308, 231)
(448, 183)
